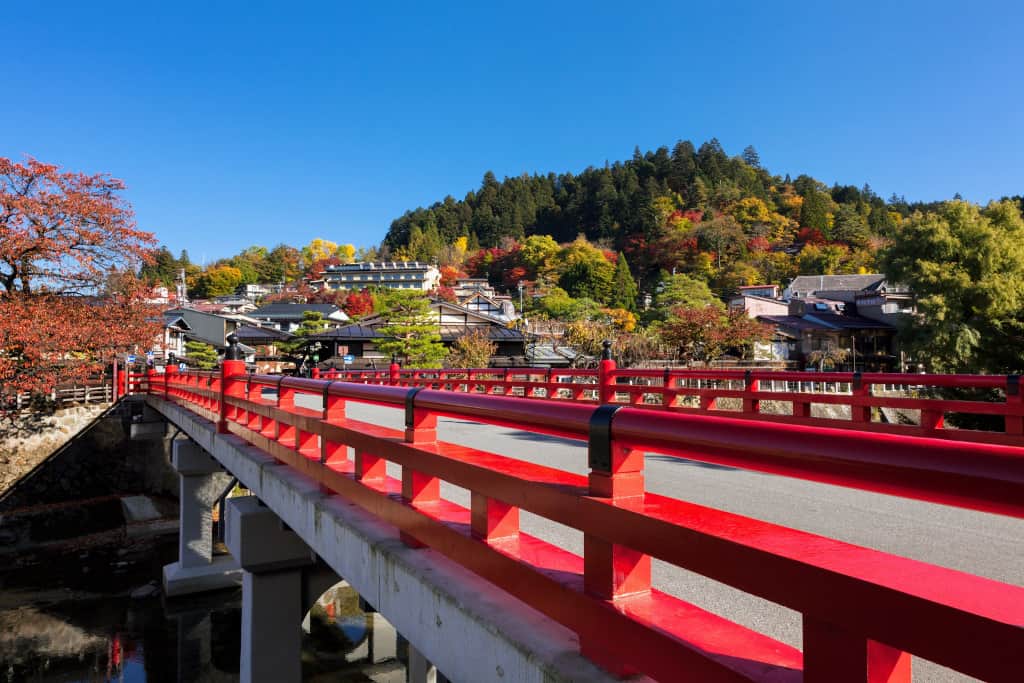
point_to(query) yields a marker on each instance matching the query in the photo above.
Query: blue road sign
(347, 359)
(130, 358)
(182, 367)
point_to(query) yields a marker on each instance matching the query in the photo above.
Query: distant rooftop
(290, 311)
(806, 284)
(379, 265)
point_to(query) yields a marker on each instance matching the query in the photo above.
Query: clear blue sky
(254, 123)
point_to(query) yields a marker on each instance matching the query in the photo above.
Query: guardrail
(776, 396)
(864, 611)
(64, 396)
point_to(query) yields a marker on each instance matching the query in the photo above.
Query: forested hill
(662, 209)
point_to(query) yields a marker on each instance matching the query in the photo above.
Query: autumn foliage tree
(472, 349)
(68, 300)
(704, 334)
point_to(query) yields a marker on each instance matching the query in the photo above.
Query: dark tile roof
(288, 311)
(261, 334)
(849, 322)
(494, 332)
(346, 332)
(835, 283)
(792, 321)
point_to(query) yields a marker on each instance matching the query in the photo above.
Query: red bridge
(864, 612)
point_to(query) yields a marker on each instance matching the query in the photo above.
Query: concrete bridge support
(273, 559)
(202, 482)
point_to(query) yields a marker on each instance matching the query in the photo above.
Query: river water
(97, 615)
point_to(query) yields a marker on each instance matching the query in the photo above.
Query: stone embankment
(24, 447)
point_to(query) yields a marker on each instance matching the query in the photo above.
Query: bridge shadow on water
(98, 614)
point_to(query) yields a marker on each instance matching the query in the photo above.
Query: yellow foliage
(751, 211)
(345, 252)
(319, 249)
(621, 318)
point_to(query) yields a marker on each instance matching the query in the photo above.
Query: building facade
(390, 274)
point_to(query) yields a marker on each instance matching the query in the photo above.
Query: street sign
(149, 355)
(347, 359)
(182, 367)
(130, 359)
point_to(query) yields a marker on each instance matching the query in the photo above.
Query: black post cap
(606, 353)
(233, 352)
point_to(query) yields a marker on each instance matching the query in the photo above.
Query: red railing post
(859, 390)
(750, 385)
(115, 390)
(231, 370)
(334, 409)
(612, 571)
(125, 381)
(170, 373)
(832, 655)
(1015, 402)
(606, 375)
(394, 372)
(417, 487)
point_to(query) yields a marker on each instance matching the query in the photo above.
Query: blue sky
(255, 123)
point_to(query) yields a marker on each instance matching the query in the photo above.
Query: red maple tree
(358, 304)
(69, 301)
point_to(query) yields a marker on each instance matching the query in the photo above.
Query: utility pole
(182, 288)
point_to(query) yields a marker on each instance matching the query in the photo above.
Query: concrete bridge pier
(202, 482)
(419, 669)
(273, 591)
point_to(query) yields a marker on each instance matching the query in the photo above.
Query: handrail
(765, 395)
(854, 600)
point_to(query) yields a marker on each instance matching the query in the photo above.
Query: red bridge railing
(864, 611)
(867, 401)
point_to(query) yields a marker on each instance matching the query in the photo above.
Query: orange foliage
(64, 231)
(49, 339)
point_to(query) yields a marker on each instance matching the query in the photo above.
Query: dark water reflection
(76, 620)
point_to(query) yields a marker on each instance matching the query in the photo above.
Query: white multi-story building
(391, 274)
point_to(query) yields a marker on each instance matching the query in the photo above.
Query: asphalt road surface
(979, 543)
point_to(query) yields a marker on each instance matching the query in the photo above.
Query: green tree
(965, 266)
(162, 270)
(815, 212)
(411, 331)
(624, 290)
(312, 323)
(850, 226)
(824, 260)
(586, 272)
(537, 250)
(200, 355)
(751, 157)
(686, 291)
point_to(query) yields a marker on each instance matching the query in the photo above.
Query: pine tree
(411, 332)
(624, 289)
(200, 355)
(751, 157)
